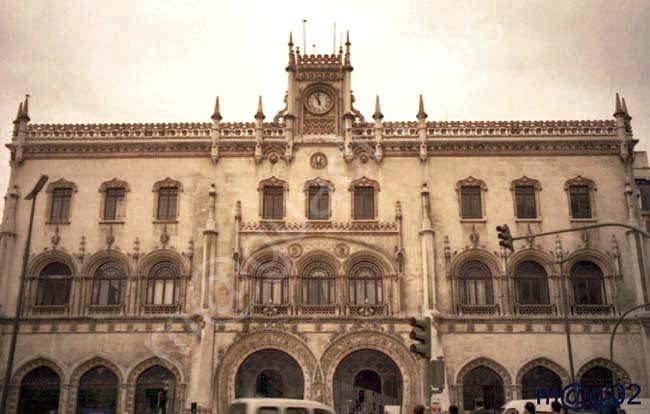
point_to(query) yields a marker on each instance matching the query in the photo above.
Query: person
(418, 409)
(609, 405)
(529, 408)
(479, 405)
(162, 402)
(556, 406)
(453, 409)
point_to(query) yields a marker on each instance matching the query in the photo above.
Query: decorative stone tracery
(20, 373)
(134, 374)
(83, 369)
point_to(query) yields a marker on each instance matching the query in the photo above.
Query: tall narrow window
(475, 284)
(526, 202)
(364, 203)
(644, 189)
(365, 284)
(167, 202)
(471, 202)
(53, 285)
(588, 283)
(271, 284)
(273, 208)
(60, 210)
(107, 285)
(113, 203)
(580, 201)
(163, 284)
(318, 284)
(319, 203)
(532, 284)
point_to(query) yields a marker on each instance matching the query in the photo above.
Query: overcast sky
(164, 61)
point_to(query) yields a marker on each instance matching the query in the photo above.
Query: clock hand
(317, 99)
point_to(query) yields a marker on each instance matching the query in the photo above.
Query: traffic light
(505, 237)
(421, 333)
(437, 373)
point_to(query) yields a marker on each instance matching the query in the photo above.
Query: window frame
(542, 281)
(167, 183)
(99, 279)
(259, 283)
(463, 298)
(537, 188)
(471, 182)
(261, 189)
(307, 189)
(64, 280)
(51, 191)
(120, 206)
(589, 280)
(150, 288)
(364, 182)
(591, 188)
(377, 282)
(306, 280)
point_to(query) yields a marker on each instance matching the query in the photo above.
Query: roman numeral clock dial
(319, 103)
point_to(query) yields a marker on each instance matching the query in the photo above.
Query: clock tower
(319, 98)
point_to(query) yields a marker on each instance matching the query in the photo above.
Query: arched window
(581, 195)
(365, 284)
(39, 392)
(155, 391)
(483, 386)
(54, 285)
(97, 391)
(318, 284)
(163, 284)
(475, 284)
(588, 283)
(532, 283)
(271, 284)
(364, 199)
(596, 378)
(540, 378)
(107, 284)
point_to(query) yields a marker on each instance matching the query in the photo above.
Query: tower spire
(421, 114)
(618, 110)
(347, 47)
(260, 112)
(19, 113)
(625, 108)
(377, 114)
(216, 115)
(23, 110)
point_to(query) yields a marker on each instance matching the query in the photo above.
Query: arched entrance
(269, 373)
(366, 381)
(540, 378)
(155, 390)
(97, 391)
(485, 385)
(39, 392)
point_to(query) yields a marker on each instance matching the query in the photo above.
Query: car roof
(259, 402)
(520, 404)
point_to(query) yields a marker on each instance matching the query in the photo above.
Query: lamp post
(611, 339)
(19, 303)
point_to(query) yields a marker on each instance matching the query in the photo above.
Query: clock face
(319, 103)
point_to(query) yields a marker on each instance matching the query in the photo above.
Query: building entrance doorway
(269, 374)
(365, 382)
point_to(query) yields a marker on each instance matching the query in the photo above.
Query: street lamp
(19, 303)
(611, 339)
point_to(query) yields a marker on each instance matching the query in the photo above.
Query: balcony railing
(104, 309)
(593, 309)
(49, 309)
(271, 310)
(367, 310)
(542, 309)
(318, 309)
(150, 309)
(478, 309)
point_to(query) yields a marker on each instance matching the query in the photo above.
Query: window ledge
(528, 220)
(319, 221)
(272, 221)
(111, 221)
(57, 223)
(365, 221)
(165, 221)
(584, 220)
(481, 220)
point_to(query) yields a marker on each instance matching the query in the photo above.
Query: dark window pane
(60, 209)
(580, 201)
(167, 199)
(273, 203)
(53, 285)
(319, 205)
(526, 202)
(364, 203)
(113, 199)
(587, 280)
(644, 189)
(532, 284)
(475, 284)
(471, 202)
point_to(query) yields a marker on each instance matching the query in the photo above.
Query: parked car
(277, 406)
(517, 406)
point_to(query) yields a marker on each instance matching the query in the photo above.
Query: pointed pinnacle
(625, 107)
(421, 114)
(618, 109)
(377, 114)
(26, 106)
(216, 115)
(290, 39)
(23, 110)
(260, 112)
(347, 38)
(20, 112)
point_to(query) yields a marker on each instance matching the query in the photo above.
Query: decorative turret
(292, 56)
(422, 130)
(216, 131)
(20, 129)
(379, 137)
(377, 115)
(426, 207)
(259, 131)
(347, 48)
(624, 129)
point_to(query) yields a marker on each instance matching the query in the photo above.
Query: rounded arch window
(54, 285)
(107, 284)
(588, 283)
(365, 283)
(532, 283)
(271, 283)
(318, 284)
(475, 284)
(97, 391)
(163, 284)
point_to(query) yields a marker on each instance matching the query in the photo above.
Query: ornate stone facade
(200, 279)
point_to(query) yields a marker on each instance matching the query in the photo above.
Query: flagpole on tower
(304, 35)
(334, 36)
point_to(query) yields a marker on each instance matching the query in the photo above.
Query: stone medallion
(341, 250)
(318, 161)
(295, 250)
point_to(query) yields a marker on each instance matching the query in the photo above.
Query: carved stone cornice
(318, 227)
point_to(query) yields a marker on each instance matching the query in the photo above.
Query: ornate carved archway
(622, 375)
(391, 346)
(248, 344)
(20, 373)
(457, 388)
(134, 374)
(80, 370)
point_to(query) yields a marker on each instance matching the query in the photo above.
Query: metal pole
(611, 339)
(16, 323)
(591, 226)
(567, 325)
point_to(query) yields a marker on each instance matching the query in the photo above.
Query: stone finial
(398, 210)
(20, 112)
(82, 247)
(618, 110)
(474, 237)
(421, 114)
(615, 250)
(559, 253)
(23, 114)
(110, 238)
(216, 115)
(164, 237)
(56, 239)
(377, 115)
(627, 114)
(260, 111)
(446, 248)
(136, 248)
(529, 237)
